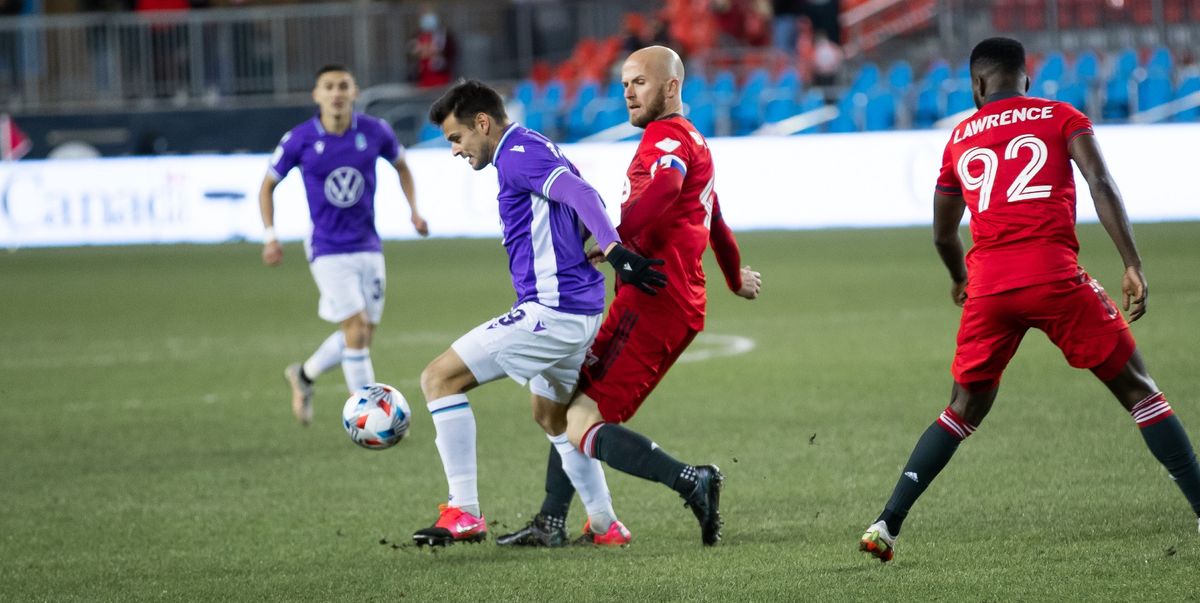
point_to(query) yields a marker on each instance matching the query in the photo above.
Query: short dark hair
(465, 100)
(330, 68)
(1004, 54)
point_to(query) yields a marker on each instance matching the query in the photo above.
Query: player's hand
(637, 270)
(1134, 286)
(595, 255)
(958, 292)
(751, 283)
(420, 224)
(272, 253)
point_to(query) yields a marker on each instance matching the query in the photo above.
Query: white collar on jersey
(500, 145)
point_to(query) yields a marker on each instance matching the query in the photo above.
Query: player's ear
(483, 123)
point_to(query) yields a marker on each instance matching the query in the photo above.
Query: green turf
(147, 451)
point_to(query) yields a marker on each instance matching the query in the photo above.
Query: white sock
(455, 424)
(356, 364)
(327, 356)
(588, 478)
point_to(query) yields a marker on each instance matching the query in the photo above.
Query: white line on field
(713, 345)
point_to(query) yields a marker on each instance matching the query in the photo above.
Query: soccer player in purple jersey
(337, 151)
(547, 213)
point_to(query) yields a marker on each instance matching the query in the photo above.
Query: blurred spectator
(10, 57)
(826, 58)
(640, 32)
(741, 22)
(434, 50)
(783, 24)
(824, 15)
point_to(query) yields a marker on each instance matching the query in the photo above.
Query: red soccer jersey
(680, 233)
(1012, 164)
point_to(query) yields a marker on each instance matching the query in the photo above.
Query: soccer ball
(376, 416)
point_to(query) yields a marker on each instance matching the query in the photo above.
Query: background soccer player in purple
(547, 212)
(337, 151)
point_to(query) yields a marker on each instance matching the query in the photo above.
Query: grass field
(147, 450)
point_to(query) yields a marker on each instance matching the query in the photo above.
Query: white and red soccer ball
(376, 416)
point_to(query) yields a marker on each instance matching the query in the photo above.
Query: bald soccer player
(670, 211)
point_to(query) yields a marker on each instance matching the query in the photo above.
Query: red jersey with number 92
(1011, 163)
(680, 235)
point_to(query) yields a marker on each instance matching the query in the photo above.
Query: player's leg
(567, 469)
(444, 382)
(365, 295)
(987, 338)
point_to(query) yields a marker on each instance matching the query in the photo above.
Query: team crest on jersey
(625, 190)
(344, 187)
(668, 145)
(360, 142)
(319, 147)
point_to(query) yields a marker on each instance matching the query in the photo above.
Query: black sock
(1169, 443)
(931, 454)
(559, 490)
(635, 454)
(304, 376)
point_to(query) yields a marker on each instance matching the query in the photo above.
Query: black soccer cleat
(541, 531)
(705, 502)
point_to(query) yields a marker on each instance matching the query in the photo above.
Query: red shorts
(631, 355)
(1076, 314)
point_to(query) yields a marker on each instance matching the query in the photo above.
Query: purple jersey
(339, 180)
(544, 235)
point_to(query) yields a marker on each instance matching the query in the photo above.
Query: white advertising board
(799, 182)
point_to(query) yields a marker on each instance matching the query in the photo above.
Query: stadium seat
(900, 77)
(938, 72)
(1153, 91)
(582, 112)
(1116, 98)
(1087, 68)
(747, 113)
(724, 88)
(881, 110)
(868, 76)
(1052, 68)
(694, 87)
(959, 99)
(1188, 87)
(524, 92)
(811, 101)
(429, 133)
(703, 115)
(1123, 64)
(1160, 60)
(929, 106)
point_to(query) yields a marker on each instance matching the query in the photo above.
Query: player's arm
(410, 194)
(947, 215)
(740, 279)
(565, 187)
(663, 190)
(1111, 211)
(272, 251)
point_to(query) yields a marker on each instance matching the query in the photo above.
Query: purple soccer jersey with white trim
(339, 180)
(544, 237)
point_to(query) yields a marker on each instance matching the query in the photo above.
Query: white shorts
(531, 344)
(350, 283)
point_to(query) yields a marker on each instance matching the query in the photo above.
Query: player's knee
(435, 380)
(551, 416)
(357, 331)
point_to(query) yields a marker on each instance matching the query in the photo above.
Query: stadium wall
(801, 182)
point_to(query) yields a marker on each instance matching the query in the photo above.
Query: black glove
(637, 270)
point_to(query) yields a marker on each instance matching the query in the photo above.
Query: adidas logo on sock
(912, 475)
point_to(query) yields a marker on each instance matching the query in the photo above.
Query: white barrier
(837, 180)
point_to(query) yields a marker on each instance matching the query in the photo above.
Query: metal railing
(246, 55)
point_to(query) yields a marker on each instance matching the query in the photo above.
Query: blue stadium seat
(929, 106)
(881, 110)
(543, 114)
(850, 113)
(1124, 64)
(1073, 93)
(429, 132)
(615, 91)
(724, 88)
(581, 114)
(694, 87)
(703, 115)
(1087, 67)
(963, 72)
(524, 92)
(938, 72)
(959, 99)
(609, 112)
(747, 113)
(811, 101)
(1153, 91)
(1188, 87)
(868, 76)
(1052, 69)
(900, 77)
(1160, 60)
(1116, 98)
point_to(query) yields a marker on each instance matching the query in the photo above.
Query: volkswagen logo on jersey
(344, 186)
(360, 142)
